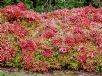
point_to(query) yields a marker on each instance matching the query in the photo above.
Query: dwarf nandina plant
(61, 39)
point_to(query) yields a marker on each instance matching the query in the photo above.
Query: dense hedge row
(61, 39)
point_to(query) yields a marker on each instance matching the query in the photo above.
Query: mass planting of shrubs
(61, 39)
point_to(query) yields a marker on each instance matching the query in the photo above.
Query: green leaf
(7, 1)
(17, 60)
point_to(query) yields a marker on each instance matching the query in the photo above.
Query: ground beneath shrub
(21, 72)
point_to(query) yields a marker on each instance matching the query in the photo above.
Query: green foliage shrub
(48, 5)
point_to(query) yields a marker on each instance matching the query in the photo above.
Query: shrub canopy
(66, 38)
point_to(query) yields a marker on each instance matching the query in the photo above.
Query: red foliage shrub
(28, 45)
(51, 40)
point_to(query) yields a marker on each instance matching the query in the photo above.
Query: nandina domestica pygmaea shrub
(65, 38)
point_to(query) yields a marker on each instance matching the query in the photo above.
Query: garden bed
(22, 72)
(61, 39)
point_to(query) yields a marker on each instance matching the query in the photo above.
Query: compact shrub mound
(61, 39)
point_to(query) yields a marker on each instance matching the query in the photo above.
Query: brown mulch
(54, 73)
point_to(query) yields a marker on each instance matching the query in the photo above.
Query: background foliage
(48, 5)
